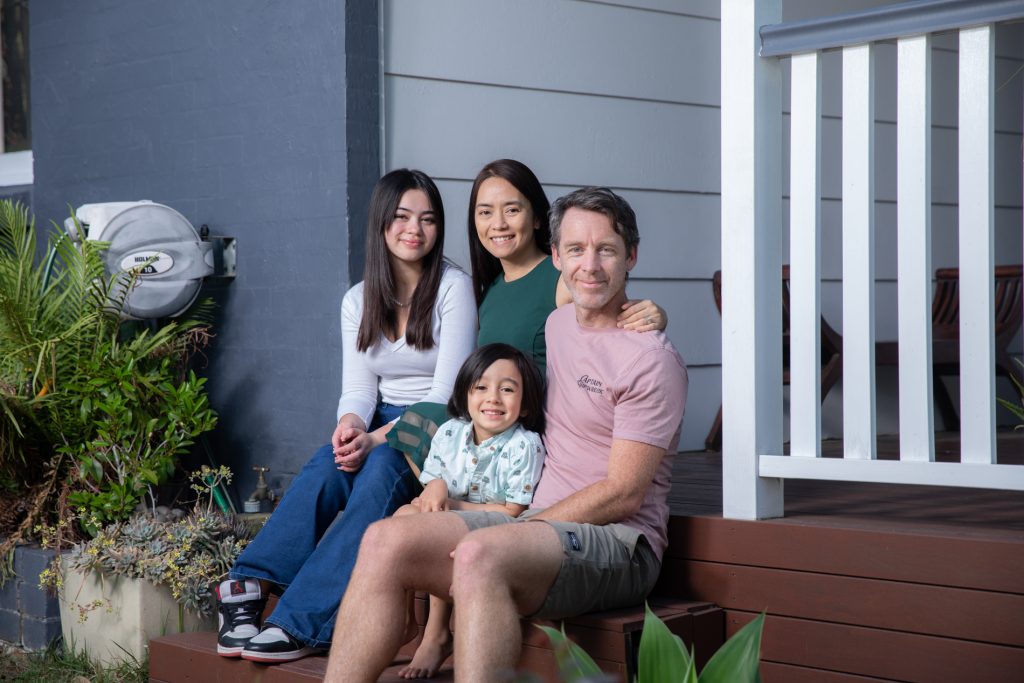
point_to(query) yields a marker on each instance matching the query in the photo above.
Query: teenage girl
(489, 457)
(405, 329)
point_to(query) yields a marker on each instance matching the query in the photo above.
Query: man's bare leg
(499, 573)
(396, 555)
(411, 629)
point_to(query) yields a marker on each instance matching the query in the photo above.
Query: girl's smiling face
(412, 233)
(495, 399)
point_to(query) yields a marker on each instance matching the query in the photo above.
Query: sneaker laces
(240, 613)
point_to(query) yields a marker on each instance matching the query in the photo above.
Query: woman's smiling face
(504, 219)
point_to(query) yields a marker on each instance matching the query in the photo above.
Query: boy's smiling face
(495, 399)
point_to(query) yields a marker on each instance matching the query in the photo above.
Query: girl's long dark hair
(485, 266)
(380, 310)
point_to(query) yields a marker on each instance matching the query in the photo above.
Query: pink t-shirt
(606, 384)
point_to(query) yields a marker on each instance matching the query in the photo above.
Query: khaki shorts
(604, 566)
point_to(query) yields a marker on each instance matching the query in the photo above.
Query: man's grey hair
(601, 200)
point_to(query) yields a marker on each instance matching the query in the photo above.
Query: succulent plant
(188, 555)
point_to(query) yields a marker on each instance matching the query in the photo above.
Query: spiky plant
(93, 410)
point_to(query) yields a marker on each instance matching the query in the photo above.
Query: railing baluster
(977, 262)
(859, 429)
(914, 205)
(805, 256)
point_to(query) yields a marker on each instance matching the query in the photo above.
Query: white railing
(753, 464)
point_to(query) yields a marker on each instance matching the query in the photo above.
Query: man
(614, 409)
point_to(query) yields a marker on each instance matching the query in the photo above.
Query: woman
(516, 287)
(406, 329)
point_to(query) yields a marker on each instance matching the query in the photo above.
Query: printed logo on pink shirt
(590, 384)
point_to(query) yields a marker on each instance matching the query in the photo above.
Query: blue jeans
(298, 548)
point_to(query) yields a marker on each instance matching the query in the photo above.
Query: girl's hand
(642, 316)
(356, 445)
(349, 426)
(434, 497)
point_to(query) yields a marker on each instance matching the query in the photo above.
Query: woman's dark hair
(531, 413)
(380, 307)
(485, 266)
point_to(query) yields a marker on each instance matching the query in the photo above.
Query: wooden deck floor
(697, 490)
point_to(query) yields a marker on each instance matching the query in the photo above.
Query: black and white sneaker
(274, 645)
(239, 610)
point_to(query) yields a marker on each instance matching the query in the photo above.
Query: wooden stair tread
(610, 637)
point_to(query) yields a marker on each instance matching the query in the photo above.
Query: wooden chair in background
(831, 353)
(946, 334)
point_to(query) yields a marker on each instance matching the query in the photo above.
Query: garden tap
(262, 492)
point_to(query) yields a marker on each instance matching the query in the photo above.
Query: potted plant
(147, 576)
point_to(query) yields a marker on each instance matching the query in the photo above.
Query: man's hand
(434, 497)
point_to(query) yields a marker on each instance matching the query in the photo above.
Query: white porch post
(751, 261)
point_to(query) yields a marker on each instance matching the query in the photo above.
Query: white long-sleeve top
(398, 373)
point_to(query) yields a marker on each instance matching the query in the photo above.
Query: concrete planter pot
(113, 618)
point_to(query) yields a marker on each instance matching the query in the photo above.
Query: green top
(512, 312)
(515, 312)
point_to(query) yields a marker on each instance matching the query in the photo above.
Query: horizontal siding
(1008, 237)
(705, 9)
(705, 395)
(566, 48)
(1007, 164)
(566, 138)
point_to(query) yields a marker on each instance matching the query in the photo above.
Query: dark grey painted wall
(235, 113)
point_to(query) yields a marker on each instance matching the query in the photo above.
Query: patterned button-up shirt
(504, 468)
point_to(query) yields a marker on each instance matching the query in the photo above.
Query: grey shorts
(603, 567)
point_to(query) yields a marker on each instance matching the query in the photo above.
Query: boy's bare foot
(429, 657)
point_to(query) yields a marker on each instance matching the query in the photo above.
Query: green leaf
(662, 657)
(573, 663)
(737, 661)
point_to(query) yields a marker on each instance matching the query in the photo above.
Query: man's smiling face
(594, 262)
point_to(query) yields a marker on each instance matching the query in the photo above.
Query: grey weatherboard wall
(238, 115)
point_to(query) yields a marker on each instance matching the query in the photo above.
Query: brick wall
(29, 616)
(235, 114)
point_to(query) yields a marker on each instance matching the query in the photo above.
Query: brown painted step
(193, 658)
(611, 638)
